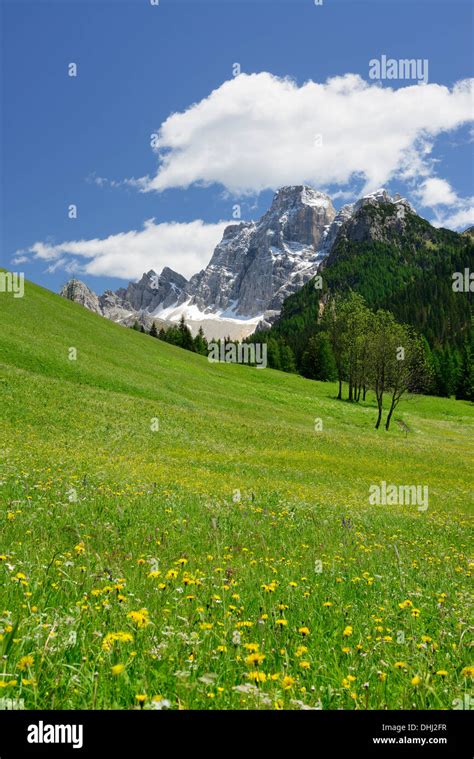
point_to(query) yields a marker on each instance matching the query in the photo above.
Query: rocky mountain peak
(258, 264)
(380, 197)
(154, 290)
(298, 214)
(293, 195)
(79, 292)
(374, 217)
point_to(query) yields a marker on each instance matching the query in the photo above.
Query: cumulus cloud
(185, 247)
(259, 131)
(459, 216)
(435, 192)
(450, 210)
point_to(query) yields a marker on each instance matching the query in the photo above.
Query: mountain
(257, 265)
(261, 272)
(252, 270)
(153, 291)
(382, 249)
(137, 302)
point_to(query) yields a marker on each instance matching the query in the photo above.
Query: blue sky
(70, 140)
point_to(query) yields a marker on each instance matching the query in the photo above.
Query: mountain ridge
(253, 270)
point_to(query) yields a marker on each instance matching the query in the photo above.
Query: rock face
(359, 222)
(79, 292)
(257, 265)
(153, 291)
(124, 306)
(355, 222)
(254, 268)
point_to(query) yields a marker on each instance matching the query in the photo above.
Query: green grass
(99, 511)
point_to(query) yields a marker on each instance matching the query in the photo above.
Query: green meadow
(187, 535)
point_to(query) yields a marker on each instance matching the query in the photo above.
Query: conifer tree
(186, 337)
(200, 343)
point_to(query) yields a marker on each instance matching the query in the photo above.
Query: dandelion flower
(252, 647)
(139, 618)
(25, 662)
(255, 659)
(301, 650)
(259, 677)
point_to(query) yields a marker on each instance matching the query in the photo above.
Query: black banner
(92, 733)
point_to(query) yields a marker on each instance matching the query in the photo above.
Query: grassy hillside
(141, 477)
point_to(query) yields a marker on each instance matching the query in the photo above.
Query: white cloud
(456, 212)
(458, 217)
(186, 248)
(258, 132)
(435, 192)
(19, 260)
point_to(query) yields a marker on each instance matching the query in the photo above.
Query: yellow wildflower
(139, 618)
(25, 662)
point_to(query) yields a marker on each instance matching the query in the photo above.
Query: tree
(287, 359)
(348, 323)
(173, 335)
(408, 370)
(333, 322)
(153, 331)
(465, 385)
(186, 338)
(355, 316)
(446, 372)
(200, 343)
(136, 326)
(273, 353)
(318, 359)
(382, 354)
(162, 334)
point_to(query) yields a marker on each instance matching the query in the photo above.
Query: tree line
(179, 335)
(361, 349)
